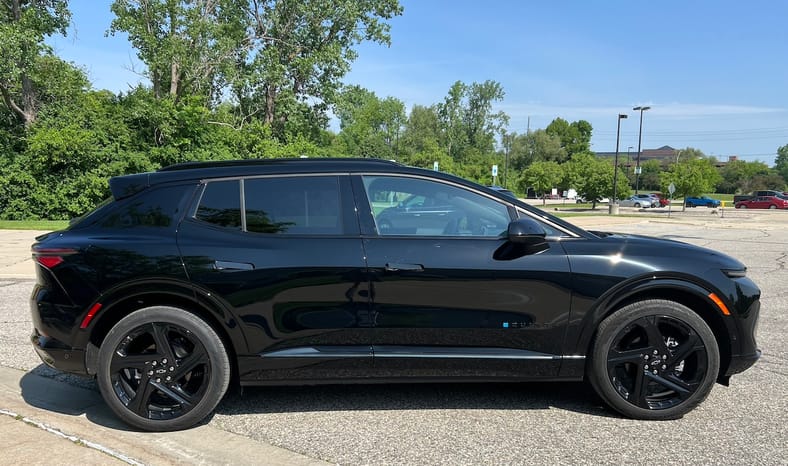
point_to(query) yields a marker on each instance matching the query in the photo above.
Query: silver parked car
(635, 201)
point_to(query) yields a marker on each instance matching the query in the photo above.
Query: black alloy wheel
(654, 359)
(162, 369)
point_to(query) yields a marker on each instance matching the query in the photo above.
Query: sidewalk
(45, 421)
(15, 259)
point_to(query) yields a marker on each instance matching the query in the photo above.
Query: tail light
(51, 257)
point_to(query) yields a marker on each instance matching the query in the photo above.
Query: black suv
(307, 271)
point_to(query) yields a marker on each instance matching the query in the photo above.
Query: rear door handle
(401, 267)
(230, 265)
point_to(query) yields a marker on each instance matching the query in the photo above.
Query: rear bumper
(59, 356)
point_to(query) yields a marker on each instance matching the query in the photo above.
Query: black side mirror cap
(526, 231)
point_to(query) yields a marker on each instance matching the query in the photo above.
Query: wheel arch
(123, 301)
(691, 295)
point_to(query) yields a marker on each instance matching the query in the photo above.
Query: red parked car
(763, 202)
(663, 202)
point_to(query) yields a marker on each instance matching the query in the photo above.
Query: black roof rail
(255, 162)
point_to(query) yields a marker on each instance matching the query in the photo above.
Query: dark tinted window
(297, 205)
(157, 207)
(221, 204)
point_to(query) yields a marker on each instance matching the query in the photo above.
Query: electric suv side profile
(309, 271)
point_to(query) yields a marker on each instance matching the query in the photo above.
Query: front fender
(588, 311)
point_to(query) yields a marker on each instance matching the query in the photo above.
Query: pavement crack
(781, 261)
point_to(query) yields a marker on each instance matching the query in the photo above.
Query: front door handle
(401, 267)
(230, 265)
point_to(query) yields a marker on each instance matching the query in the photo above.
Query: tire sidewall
(217, 355)
(610, 328)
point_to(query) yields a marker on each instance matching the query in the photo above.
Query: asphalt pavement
(546, 423)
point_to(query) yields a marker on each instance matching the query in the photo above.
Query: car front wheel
(162, 368)
(772, 206)
(654, 359)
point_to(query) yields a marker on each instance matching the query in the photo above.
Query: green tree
(781, 162)
(428, 155)
(575, 137)
(300, 50)
(739, 176)
(468, 124)
(592, 178)
(370, 127)
(422, 130)
(649, 176)
(542, 176)
(24, 24)
(692, 177)
(185, 44)
(536, 146)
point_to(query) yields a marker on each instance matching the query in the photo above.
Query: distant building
(662, 154)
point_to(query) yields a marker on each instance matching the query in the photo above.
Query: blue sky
(714, 73)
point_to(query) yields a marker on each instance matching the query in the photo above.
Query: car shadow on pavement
(54, 391)
(61, 393)
(573, 396)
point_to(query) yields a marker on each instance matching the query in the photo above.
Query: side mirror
(526, 231)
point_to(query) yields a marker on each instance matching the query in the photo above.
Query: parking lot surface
(517, 423)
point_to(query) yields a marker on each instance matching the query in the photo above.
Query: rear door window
(301, 205)
(306, 205)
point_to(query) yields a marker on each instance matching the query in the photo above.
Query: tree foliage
(781, 162)
(691, 177)
(24, 24)
(592, 178)
(467, 121)
(575, 137)
(542, 176)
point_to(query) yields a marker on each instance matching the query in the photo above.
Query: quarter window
(221, 204)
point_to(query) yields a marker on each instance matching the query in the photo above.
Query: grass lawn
(47, 225)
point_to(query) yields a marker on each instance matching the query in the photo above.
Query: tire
(637, 205)
(772, 206)
(174, 357)
(679, 379)
(741, 206)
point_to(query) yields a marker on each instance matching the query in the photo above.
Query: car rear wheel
(654, 359)
(742, 206)
(162, 368)
(772, 206)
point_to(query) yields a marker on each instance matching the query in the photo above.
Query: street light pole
(628, 160)
(640, 138)
(613, 209)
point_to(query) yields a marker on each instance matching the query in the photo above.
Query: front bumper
(59, 356)
(742, 362)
